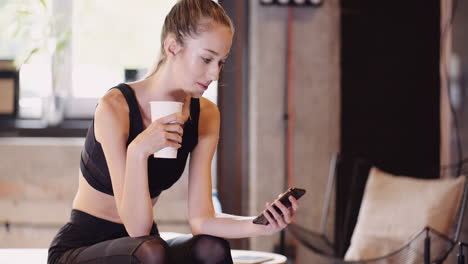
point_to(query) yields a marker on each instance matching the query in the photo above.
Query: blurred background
(382, 80)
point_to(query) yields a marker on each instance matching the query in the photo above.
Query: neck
(161, 87)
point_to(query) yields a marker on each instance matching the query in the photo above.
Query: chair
(462, 246)
(427, 246)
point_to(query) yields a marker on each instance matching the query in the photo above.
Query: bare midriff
(96, 203)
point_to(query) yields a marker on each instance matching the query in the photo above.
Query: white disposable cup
(161, 109)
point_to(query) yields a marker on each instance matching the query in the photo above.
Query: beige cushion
(395, 208)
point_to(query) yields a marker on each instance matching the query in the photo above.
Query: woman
(120, 180)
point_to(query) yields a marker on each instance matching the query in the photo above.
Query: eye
(221, 63)
(206, 60)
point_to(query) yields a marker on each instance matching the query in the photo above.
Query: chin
(195, 94)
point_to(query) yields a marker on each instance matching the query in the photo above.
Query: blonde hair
(185, 19)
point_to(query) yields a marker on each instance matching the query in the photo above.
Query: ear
(172, 46)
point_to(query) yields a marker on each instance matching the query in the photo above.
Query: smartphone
(284, 199)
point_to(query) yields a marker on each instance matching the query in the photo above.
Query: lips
(203, 86)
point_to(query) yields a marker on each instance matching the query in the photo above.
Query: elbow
(196, 226)
(196, 233)
(137, 234)
(138, 231)
(135, 227)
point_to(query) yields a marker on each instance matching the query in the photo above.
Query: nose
(213, 73)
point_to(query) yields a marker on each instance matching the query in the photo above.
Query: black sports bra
(162, 173)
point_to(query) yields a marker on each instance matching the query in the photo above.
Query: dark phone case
(284, 199)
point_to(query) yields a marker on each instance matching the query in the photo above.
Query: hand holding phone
(284, 199)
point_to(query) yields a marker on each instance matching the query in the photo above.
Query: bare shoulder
(111, 115)
(208, 109)
(209, 118)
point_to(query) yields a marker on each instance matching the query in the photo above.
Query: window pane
(7, 47)
(109, 38)
(29, 19)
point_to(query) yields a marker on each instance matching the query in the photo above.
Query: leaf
(28, 56)
(63, 41)
(61, 45)
(24, 12)
(43, 3)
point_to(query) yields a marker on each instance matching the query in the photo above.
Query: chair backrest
(461, 214)
(350, 175)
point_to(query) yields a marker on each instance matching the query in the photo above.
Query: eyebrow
(215, 53)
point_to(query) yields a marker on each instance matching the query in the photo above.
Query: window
(28, 19)
(107, 38)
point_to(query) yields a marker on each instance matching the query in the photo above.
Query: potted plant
(41, 30)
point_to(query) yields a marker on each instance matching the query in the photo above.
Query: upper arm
(200, 203)
(111, 125)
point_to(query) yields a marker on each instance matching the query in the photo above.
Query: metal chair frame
(329, 252)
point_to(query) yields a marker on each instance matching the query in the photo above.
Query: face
(201, 58)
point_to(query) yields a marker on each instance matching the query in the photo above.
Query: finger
(294, 203)
(285, 211)
(172, 144)
(271, 221)
(293, 219)
(176, 128)
(173, 118)
(173, 137)
(292, 214)
(279, 219)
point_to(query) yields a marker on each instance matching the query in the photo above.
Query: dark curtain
(390, 97)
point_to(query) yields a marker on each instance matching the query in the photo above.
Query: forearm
(230, 226)
(135, 207)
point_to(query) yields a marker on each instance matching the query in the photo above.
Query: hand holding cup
(162, 112)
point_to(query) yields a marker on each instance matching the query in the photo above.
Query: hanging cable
(290, 102)
(289, 116)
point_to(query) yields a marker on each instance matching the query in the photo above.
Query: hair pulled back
(186, 19)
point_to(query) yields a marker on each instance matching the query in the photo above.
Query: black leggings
(88, 239)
